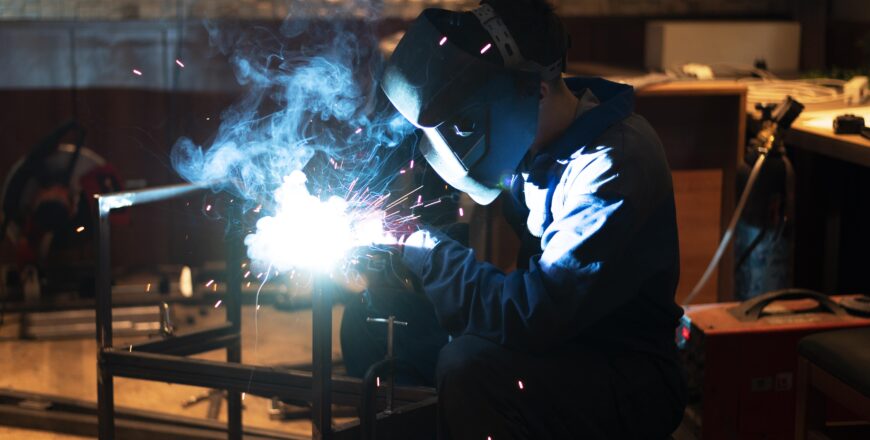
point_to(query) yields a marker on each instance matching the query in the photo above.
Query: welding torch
(381, 267)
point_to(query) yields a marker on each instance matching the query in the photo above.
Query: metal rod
(105, 383)
(266, 382)
(321, 411)
(390, 380)
(392, 368)
(233, 278)
(108, 202)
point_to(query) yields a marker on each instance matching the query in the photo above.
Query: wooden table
(813, 131)
(702, 125)
(833, 185)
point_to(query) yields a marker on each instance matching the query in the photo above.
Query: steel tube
(321, 410)
(105, 383)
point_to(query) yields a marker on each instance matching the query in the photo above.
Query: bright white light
(310, 233)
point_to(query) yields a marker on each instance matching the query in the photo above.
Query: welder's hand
(382, 268)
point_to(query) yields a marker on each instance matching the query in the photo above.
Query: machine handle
(750, 310)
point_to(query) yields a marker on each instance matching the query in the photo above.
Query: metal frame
(164, 361)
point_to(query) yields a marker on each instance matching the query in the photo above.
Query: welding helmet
(479, 117)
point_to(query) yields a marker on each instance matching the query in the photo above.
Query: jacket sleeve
(574, 282)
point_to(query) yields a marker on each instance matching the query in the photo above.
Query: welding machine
(741, 360)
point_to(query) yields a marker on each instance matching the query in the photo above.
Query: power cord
(768, 137)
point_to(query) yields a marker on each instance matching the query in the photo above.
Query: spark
(137, 72)
(148, 287)
(209, 283)
(258, 208)
(378, 381)
(80, 229)
(420, 199)
(405, 197)
(244, 395)
(131, 348)
(432, 203)
(358, 130)
(248, 285)
(180, 64)
(402, 171)
(218, 303)
(247, 274)
(520, 384)
(214, 287)
(208, 118)
(462, 213)
(309, 232)
(258, 306)
(208, 207)
(485, 48)
(443, 40)
(411, 165)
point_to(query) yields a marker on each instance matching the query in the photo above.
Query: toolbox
(741, 361)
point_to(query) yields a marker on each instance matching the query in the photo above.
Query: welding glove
(382, 268)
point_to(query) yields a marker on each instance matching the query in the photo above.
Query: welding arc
(729, 232)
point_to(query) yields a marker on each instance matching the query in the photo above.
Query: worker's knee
(465, 362)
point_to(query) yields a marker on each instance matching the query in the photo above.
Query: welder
(578, 341)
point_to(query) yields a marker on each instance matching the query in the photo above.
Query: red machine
(742, 362)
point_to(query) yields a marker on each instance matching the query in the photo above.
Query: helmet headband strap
(508, 48)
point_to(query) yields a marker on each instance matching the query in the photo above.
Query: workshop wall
(277, 9)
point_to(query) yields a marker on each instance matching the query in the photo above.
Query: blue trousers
(487, 390)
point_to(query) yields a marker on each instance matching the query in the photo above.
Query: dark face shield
(479, 117)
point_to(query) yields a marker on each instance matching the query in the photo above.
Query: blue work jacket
(604, 259)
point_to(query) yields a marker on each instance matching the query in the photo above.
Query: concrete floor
(68, 367)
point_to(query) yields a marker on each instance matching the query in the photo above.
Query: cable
(807, 91)
(729, 232)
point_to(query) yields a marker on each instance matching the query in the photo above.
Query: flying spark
(218, 303)
(485, 48)
(209, 283)
(461, 212)
(180, 64)
(520, 384)
(137, 72)
(443, 40)
(80, 229)
(148, 287)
